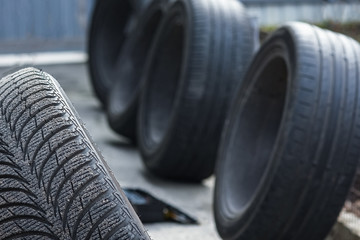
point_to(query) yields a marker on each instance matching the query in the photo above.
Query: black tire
(291, 146)
(197, 60)
(110, 22)
(140, 5)
(54, 183)
(124, 97)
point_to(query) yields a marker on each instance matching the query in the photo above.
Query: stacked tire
(291, 145)
(179, 65)
(124, 96)
(110, 24)
(201, 50)
(279, 128)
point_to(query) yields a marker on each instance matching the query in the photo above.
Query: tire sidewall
(153, 153)
(228, 227)
(123, 121)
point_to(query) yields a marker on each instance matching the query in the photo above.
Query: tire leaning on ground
(197, 60)
(124, 97)
(54, 183)
(110, 22)
(292, 142)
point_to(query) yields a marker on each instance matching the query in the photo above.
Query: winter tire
(54, 183)
(292, 142)
(124, 96)
(197, 60)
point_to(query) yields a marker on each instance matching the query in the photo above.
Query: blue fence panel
(33, 25)
(42, 25)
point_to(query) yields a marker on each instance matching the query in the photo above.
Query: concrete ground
(125, 161)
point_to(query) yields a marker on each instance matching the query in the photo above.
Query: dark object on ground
(197, 60)
(54, 183)
(292, 143)
(124, 95)
(152, 210)
(110, 23)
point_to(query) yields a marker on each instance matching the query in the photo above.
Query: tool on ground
(152, 210)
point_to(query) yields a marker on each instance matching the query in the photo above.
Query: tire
(54, 183)
(197, 60)
(124, 96)
(291, 144)
(110, 22)
(140, 5)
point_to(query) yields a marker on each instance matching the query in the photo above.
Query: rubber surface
(53, 182)
(111, 21)
(124, 96)
(198, 58)
(292, 143)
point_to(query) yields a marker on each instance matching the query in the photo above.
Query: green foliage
(351, 29)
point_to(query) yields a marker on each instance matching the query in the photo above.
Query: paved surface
(127, 166)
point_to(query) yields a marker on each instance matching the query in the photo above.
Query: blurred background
(43, 25)
(44, 33)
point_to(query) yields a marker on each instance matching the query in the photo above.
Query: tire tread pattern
(219, 49)
(320, 155)
(53, 183)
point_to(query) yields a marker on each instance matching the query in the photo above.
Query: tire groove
(10, 83)
(26, 109)
(38, 128)
(9, 94)
(25, 217)
(203, 63)
(18, 138)
(86, 210)
(8, 205)
(14, 189)
(19, 95)
(338, 170)
(25, 99)
(99, 221)
(11, 165)
(5, 152)
(75, 195)
(322, 190)
(303, 195)
(67, 177)
(212, 89)
(356, 97)
(45, 140)
(13, 177)
(114, 230)
(51, 153)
